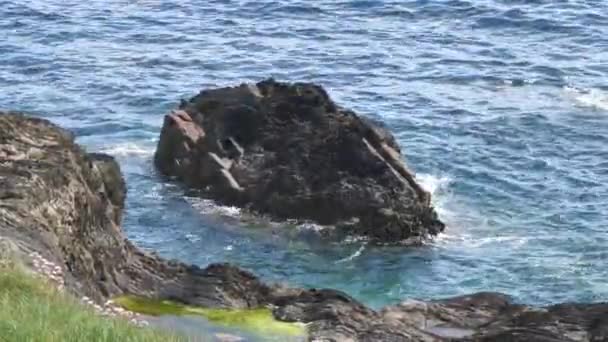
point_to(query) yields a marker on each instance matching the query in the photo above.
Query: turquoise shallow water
(500, 106)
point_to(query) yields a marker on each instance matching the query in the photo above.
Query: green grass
(31, 310)
(258, 320)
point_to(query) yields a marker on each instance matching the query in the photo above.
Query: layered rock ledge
(288, 151)
(65, 204)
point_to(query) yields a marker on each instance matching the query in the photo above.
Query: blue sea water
(501, 107)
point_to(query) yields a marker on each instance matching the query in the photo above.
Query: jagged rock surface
(288, 151)
(66, 204)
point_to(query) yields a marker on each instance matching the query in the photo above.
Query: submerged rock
(288, 151)
(66, 204)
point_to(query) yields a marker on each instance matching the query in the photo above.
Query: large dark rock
(288, 151)
(66, 204)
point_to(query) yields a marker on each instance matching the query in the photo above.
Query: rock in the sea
(64, 204)
(288, 151)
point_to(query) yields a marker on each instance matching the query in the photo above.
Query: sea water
(501, 108)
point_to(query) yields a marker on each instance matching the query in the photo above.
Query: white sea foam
(594, 98)
(128, 149)
(206, 206)
(459, 219)
(352, 256)
(432, 183)
(440, 197)
(473, 242)
(193, 238)
(310, 226)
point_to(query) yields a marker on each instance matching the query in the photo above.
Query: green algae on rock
(258, 320)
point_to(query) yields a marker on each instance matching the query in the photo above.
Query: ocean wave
(312, 227)
(472, 242)
(128, 149)
(210, 207)
(352, 256)
(594, 98)
(438, 187)
(433, 184)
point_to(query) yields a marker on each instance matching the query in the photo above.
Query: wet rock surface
(62, 207)
(288, 151)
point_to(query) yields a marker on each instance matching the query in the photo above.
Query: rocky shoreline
(63, 206)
